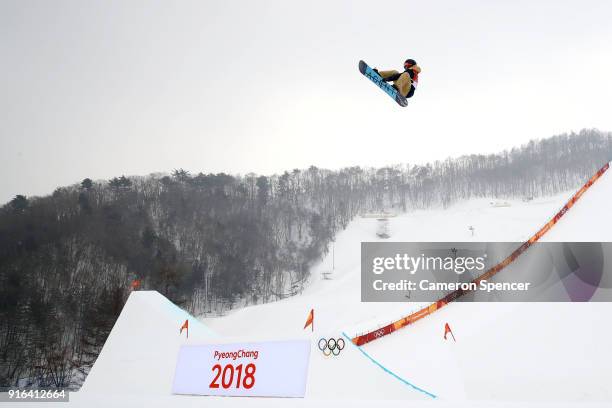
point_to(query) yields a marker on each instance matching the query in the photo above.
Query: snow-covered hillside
(504, 351)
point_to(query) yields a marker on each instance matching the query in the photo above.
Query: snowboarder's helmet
(409, 62)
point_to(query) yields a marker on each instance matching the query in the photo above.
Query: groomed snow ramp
(139, 355)
(139, 360)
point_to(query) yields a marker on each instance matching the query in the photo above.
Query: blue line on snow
(385, 369)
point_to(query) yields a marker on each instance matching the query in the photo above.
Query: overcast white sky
(100, 89)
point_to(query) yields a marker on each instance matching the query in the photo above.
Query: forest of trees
(213, 242)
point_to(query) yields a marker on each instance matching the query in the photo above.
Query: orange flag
(310, 320)
(186, 327)
(447, 330)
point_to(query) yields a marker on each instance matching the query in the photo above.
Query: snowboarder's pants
(403, 83)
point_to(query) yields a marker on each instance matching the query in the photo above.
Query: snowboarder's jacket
(400, 79)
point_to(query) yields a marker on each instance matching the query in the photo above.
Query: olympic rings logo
(379, 333)
(331, 346)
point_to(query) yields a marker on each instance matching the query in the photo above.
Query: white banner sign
(267, 369)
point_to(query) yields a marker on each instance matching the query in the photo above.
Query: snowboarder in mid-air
(404, 83)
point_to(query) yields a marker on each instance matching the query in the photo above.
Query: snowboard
(385, 86)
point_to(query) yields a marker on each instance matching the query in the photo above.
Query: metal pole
(333, 256)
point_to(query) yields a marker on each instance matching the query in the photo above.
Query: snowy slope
(507, 351)
(338, 301)
(522, 351)
(504, 351)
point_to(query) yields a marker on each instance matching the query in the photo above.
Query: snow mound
(140, 353)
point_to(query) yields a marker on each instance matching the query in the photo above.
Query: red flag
(310, 320)
(447, 330)
(185, 326)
